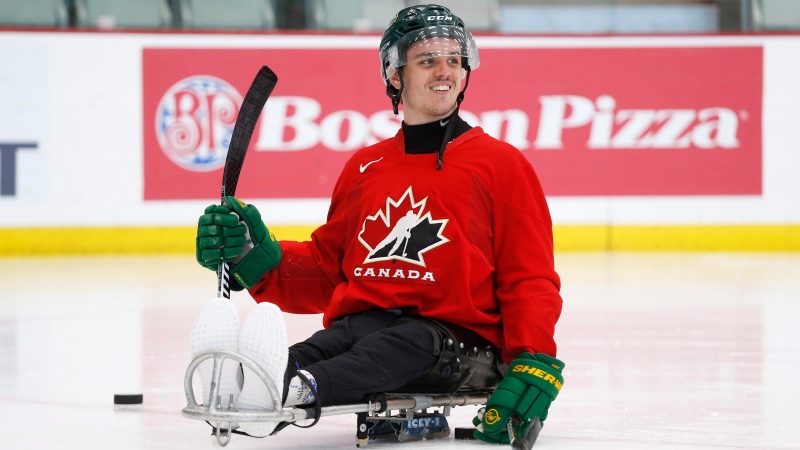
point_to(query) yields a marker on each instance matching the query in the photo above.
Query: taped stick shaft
(257, 95)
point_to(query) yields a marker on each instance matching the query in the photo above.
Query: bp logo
(491, 417)
(195, 120)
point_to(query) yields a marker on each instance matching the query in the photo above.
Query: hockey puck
(465, 433)
(128, 399)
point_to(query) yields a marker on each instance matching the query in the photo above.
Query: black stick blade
(245, 125)
(526, 442)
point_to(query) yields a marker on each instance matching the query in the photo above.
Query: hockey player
(435, 268)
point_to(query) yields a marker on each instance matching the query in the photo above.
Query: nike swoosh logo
(443, 122)
(363, 167)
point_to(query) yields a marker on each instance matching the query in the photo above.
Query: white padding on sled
(217, 328)
(263, 338)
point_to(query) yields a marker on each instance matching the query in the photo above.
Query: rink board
(641, 143)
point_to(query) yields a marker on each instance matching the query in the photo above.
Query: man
(439, 235)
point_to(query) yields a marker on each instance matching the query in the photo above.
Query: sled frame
(398, 407)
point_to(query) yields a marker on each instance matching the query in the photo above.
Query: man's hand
(531, 384)
(244, 241)
(220, 237)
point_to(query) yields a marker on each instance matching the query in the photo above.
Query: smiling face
(432, 80)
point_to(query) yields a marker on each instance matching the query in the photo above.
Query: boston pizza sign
(592, 121)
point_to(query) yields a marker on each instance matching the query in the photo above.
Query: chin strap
(394, 93)
(451, 125)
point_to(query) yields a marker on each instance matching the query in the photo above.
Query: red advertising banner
(592, 121)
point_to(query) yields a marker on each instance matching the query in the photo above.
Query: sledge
(403, 416)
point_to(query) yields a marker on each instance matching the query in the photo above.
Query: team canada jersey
(469, 244)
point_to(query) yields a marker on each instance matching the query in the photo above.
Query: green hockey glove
(530, 385)
(243, 241)
(220, 237)
(502, 438)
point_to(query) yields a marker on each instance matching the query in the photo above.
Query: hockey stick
(253, 103)
(526, 442)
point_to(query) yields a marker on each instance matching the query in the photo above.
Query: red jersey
(469, 244)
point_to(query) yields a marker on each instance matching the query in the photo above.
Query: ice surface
(662, 350)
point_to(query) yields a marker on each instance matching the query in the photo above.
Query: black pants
(365, 353)
(385, 351)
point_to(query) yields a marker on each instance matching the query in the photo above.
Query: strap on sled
(466, 362)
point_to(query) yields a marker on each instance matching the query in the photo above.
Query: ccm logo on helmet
(440, 17)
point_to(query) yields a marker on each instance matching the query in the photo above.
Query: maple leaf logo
(402, 231)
